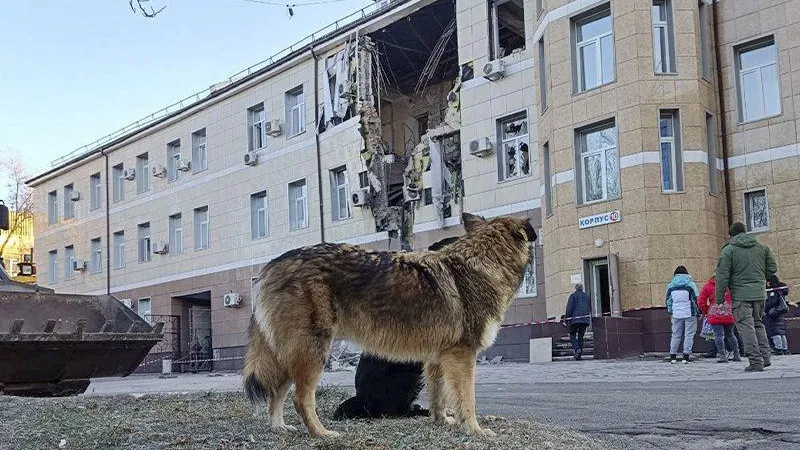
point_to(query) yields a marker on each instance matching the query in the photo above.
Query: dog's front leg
(435, 384)
(458, 367)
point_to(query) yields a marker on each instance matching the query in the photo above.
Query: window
(69, 205)
(256, 134)
(663, 37)
(422, 126)
(94, 191)
(669, 130)
(52, 207)
(175, 235)
(340, 194)
(548, 182)
(295, 112)
(199, 153)
(95, 256)
(173, 160)
(298, 205)
(145, 309)
(428, 196)
(593, 50)
(705, 41)
(117, 182)
(258, 215)
(759, 90)
(52, 266)
(119, 249)
(507, 28)
(144, 242)
(598, 160)
(756, 210)
(539, 7)
(363, 179)
(528, 286)
(514, 158)
(711, 149)
(69, 260)
(201, 224)
(142, 173)
(542, 76)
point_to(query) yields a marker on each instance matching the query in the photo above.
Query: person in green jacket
(744, 266)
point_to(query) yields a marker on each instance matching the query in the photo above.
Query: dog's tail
(263, 373)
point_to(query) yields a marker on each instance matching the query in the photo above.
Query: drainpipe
(316, 144)
(108, 230)
(723, 122)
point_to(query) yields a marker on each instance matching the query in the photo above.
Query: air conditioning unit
(231, 300)
(78, 264)
(411, 194)
(184, 165)
(273, 127)
(161, 248)
(75, 196)
(159, 171)
(494, 70)
(129, 173)
(127, 302)
(361, 197)
(480, 147)
(250, 159)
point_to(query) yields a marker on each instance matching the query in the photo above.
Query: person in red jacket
(723, 327)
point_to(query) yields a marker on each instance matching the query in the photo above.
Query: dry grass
(225, 421)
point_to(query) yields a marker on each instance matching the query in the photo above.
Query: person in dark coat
(774, 312)
(579, 308)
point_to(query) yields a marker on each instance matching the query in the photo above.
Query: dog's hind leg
(435, 384)
(458, 367)
(276, 402)
(307, 370)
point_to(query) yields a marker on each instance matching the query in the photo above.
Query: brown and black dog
(440, 307)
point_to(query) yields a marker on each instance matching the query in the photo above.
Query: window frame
(340, 189)
(52, 266)
(705, 40)
(540, 45)
(711, 154)
(521, 293)
(144, 243)
(580, 156)
(202, 228)
(257, 212)
(199, 151)
(69, 205)
(175, 240)
(118, 183)
(548, 180)
(301, 184)
(142, 173)
(299, 107)
(149, 316)
(52, 207)
(520, 139)
(173, 161)
(95, 191)
(668, 26)
(677, 160)
(119, 249)
(253, 125)
(577, 64)
(747, 195)
(739, 50)
(96, 255)
(69, 259)
(494, 30)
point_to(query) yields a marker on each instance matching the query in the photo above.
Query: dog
(441, 307)
(386, 388)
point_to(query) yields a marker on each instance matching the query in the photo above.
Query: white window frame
(96, 256)
(741, 73)
(578, 45)
(676, 159)
(602, 152)
(259, 209)
(118, 183)
(52, 207)
(494, 28)
(69, 205)
(669, 41)
(69, 259)
(145, 313)
(175, 234)
(95, 191)
(119, 250)
(144, 243)
(52, 266)
(202, 223)
(199, 151)
(142, 173)
(530, 270)
(299, 109)
(748, 195)
(173, 160)
(298, 204)
(256, 121)
(518, 141)
(337, 192)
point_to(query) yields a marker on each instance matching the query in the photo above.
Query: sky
(74, 71)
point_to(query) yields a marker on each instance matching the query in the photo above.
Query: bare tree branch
(20, 196)
(137, 4)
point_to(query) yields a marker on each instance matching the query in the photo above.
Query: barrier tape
(174, 361)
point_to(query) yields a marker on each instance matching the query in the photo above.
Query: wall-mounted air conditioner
(494, 70)
(75, 196)
(231, 300)
(159, 171)
(129, 173)
(184, 165)
(250, 159)
(161, 248)
(273, 127)
(361, 197)
(480, 147)
(78, 265)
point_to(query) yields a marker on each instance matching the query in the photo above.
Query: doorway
(197, 332)
(598, 285)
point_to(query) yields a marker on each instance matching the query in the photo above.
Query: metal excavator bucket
(53, 344)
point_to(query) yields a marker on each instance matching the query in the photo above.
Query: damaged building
(631, 158)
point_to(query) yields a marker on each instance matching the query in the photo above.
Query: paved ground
(631, 404)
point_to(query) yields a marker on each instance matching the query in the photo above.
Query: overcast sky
(73, 71)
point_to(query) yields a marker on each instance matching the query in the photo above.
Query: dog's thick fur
(439, 307)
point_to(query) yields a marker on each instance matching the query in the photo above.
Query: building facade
(630, 132)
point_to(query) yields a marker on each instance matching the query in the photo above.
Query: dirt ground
(225, 421)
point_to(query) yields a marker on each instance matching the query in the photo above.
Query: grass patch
(224, 421)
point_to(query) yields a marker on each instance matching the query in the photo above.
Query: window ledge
(748, 122)
(295, 135)
(195, 172)
(514, 179)
(527, 295)
(759, 231)
(594, 88)
(597, 202)
(672, 192)
(665, 74)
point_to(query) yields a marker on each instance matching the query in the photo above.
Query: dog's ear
(471, 221)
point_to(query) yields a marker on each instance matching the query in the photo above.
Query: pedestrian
(724, 339)
(579, 308)
(775, 308)
(682, 307)
(744, 266)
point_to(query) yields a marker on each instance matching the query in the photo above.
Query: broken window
(507, 27)
(514, 157)
(598, 160)
(340, 193)
(422, 126)
(528, 286)
(756, 209)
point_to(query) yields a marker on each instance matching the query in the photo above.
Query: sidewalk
(593, 371)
